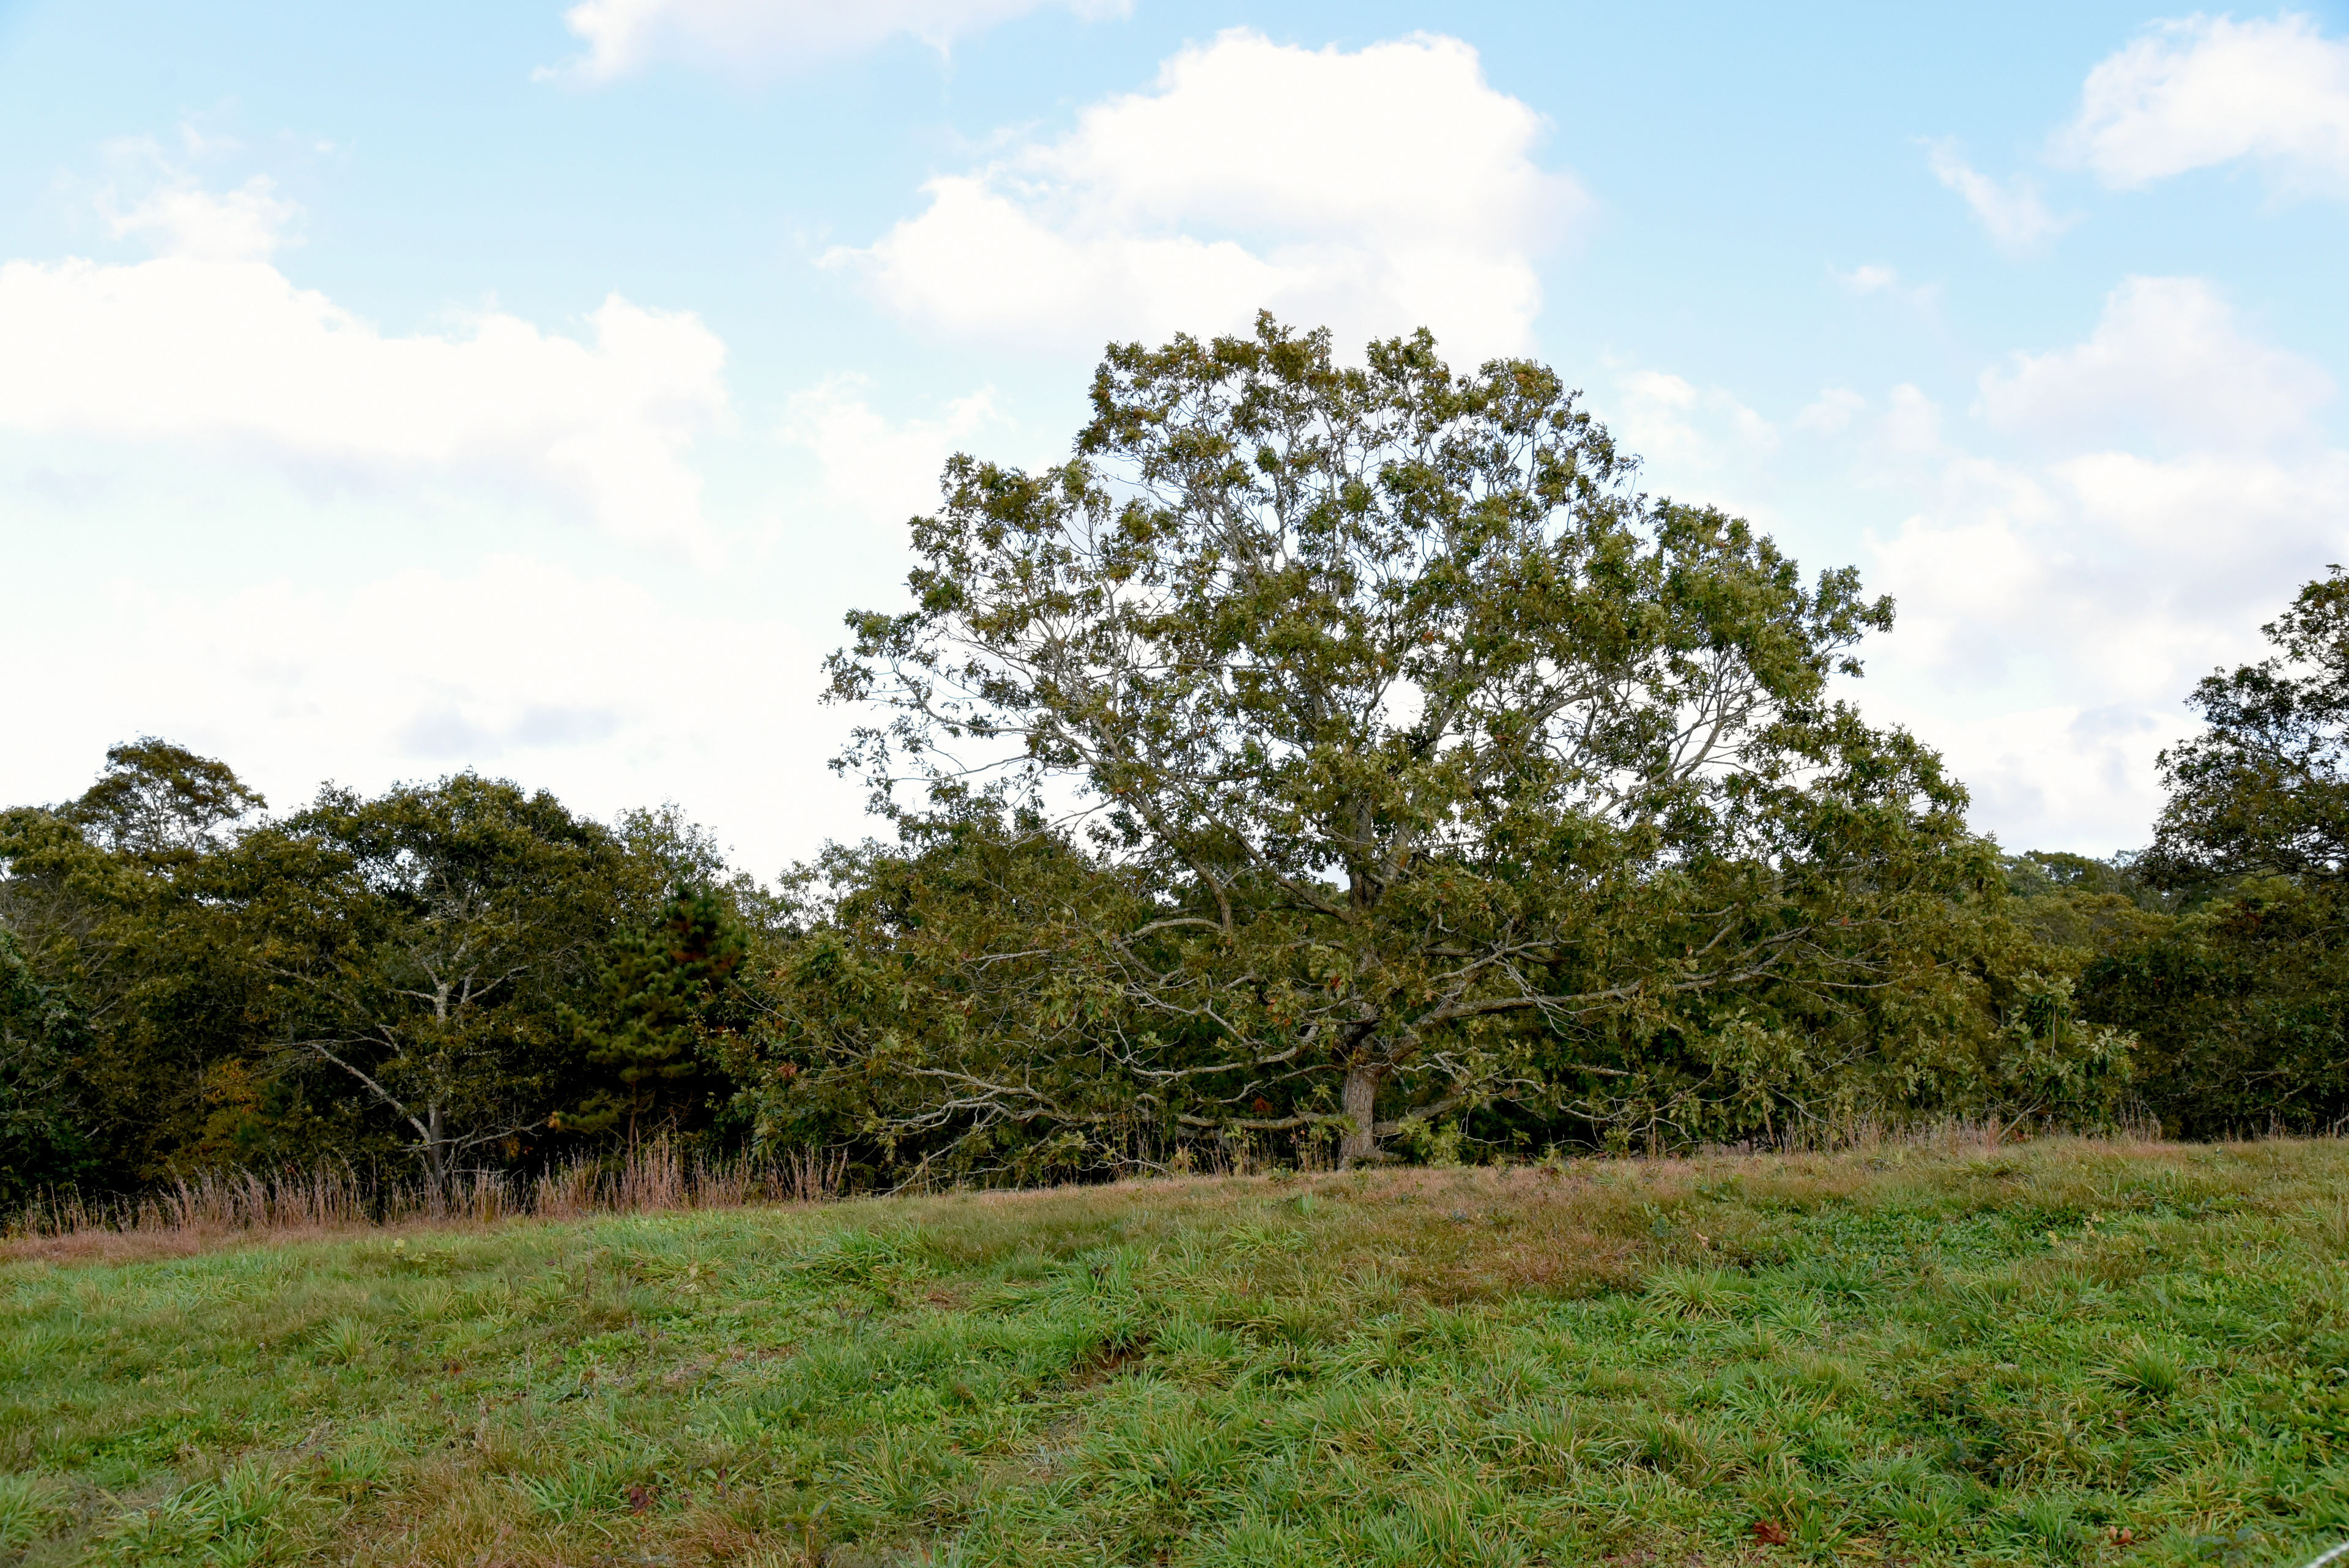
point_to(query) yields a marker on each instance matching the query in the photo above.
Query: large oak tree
(1403, 757)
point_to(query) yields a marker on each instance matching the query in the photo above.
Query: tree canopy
(455, 976)
(2265, 789)
(2241, 1003)
(1398, 757)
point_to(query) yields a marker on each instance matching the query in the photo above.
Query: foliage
(428, 974)
(113, 903)
(161, 804)
(664, 993)
(42, 1141)
(2058, 1353)
(981, 953)
(2242, 1002)
(430, 944)
(1429, 769)
(2241, 1007)
(2262, 791)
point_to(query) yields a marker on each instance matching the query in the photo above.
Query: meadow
(2062, 1351)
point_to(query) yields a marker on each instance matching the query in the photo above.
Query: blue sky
(532, 387)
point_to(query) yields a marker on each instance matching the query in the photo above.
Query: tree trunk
(436, 1160)
(1358, 1100)
(436, 1147)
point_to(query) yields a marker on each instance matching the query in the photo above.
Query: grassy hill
(2063, 1352)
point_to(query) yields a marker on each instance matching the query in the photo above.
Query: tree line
(454, 976)
(1349, 761)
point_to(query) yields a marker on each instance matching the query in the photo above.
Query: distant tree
(161, 804)
(2084, 906)
(2040, 873)
(2265, 789)
(425, 945)
(112, 901)
(1451, 771)
(441, 972)
(2240, 1008)
(956, 1003)
(44, 1138)
(2242, 1003)
(665, 992)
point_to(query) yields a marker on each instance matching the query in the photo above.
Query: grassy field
(2062, 1352)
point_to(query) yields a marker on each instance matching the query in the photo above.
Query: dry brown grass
(216, 1209)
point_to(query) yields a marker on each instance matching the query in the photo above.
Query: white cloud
(2056, 610)
(2013, 213)
(2054, 618)
(209, 345)
(1871, 279)
(2212, 528)
(1912, 422)
(182, 219)
(872, 468)
(2167, 362)
(2117, 518)
(2062, 776)
(1831, 412)
(1374, 191)
(590, 686)
(2206, 90)
(1681, 428)
(757, 35)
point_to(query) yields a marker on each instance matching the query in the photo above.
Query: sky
(532, 387)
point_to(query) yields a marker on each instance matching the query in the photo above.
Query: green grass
(2064, 1352)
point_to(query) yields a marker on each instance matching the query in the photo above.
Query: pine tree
(664, 992)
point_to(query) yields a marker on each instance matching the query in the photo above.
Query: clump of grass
(2156, 1371)
(30, 1508)
(346, 1340)
(2062, 1352)
(2333, 1226)
(864, 1257)
(250, 1514)
(1695, 1292)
